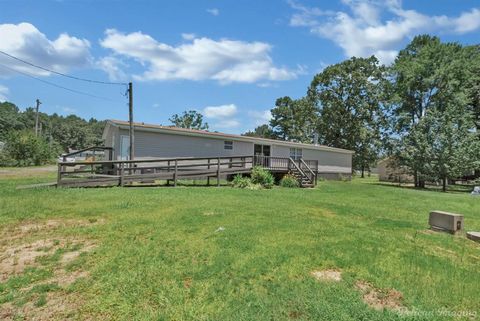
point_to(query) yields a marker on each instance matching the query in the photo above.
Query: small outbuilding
(155, 141)
(390, 171)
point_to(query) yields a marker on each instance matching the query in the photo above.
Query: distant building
(390, 171)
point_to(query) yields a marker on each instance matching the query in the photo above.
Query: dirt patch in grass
(63, 278)
(15, 259)
(54, 306)
(53, 302)
(327, 275)
(380, 299)
(72, 255)
(19, 231)
(29, 227)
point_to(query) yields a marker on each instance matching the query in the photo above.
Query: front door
(262, 153)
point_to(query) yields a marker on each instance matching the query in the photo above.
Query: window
(228, 144)
(295, 153)
(124, 147)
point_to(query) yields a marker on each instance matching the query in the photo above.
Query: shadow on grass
(452, 189)
(188, 183)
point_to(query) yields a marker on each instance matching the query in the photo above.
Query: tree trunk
(444, 185)
(421, 183)
(415, 178)
(363, 171)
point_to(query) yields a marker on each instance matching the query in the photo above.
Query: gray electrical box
(445, 221)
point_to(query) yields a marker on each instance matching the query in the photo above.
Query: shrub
(244, 182)
(240, 181)
(262, 176)
(23, 148)
(289, 181)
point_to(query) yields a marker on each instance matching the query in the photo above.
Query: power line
(56, 85)
(62, 74)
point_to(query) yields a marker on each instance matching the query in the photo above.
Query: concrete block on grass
(474, 236)
(445, 221)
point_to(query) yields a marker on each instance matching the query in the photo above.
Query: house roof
(203, 133)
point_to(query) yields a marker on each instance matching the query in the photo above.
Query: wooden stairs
(303, 173)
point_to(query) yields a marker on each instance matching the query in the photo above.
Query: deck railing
(271, 162)
(122, 172)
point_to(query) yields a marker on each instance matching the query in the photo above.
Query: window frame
(228, 144)
(296, 153)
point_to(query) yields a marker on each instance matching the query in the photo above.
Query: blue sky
(229, 60)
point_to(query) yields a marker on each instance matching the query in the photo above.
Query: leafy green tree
(23, 148)
(72, 132)
(471, 57)
(69, 132)
(294, 119)
(432, 78)
(262, 131)
(189, 119)
(442, 145)
(10, 119)
(350, 99)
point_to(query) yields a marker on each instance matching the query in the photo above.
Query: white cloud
(188, 36)
(223, 115)
(213, 11)
(26, 42)
(113, 67)
(467, 21)
(227, 123)
(69, 110)
(222, 111)
(4, 91)
(224, 60)
(156, 105)
(305, 16)
(260, 117)
(361, 32)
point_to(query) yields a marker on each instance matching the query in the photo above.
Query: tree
(431, 79)
(350, 99)
(189, 119)
(69, 132)
(442, 146)
(23, 148)
(10, 119)
(294, 119)
(73, 131)
(263, 131)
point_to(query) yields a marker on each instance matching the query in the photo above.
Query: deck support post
(175, 174)
(168, 171)
(208, 177)
(316, 172)
(122, 173)
(59, 175)
(218, 171)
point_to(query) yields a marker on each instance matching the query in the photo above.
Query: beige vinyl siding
(328, 161)
(150, 145)
(111, 139)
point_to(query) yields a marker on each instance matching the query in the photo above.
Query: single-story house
(155, 141)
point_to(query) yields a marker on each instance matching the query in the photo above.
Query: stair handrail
(296, 166)
(308, 167)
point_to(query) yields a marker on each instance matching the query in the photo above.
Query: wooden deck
(148, 171)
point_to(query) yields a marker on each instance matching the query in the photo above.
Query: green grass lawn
(158, 257)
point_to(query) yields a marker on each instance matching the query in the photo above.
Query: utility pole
(130, 119)
(36, 117)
